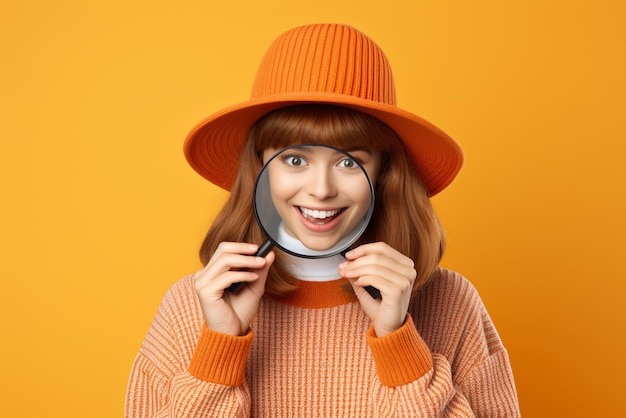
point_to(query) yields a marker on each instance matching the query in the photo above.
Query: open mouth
(320, 217)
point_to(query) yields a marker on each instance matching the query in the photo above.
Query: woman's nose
(322, 185)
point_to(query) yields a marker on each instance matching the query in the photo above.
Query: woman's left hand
(389, 271)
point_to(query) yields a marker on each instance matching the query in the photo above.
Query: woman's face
(321, 194)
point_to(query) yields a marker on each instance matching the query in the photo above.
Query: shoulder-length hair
(403, 216)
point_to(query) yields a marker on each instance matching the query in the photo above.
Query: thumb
(259, 285)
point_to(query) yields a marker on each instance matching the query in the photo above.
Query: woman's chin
(319, 244)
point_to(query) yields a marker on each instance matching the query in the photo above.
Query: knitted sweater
(314, 353)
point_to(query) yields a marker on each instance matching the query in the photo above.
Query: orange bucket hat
(325, 64)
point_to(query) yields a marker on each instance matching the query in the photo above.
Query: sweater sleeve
(185, 370)
(468, 375)
(413, 382)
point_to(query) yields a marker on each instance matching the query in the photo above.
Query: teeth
(318, 214)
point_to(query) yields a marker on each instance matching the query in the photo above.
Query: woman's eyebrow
(356, 148)
(361, 150)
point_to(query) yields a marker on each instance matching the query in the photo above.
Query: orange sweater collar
(312, 295)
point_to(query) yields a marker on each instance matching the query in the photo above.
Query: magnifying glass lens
(312, 201)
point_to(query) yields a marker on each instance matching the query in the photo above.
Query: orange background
(99, 213)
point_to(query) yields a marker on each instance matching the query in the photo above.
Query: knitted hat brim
(213, 147)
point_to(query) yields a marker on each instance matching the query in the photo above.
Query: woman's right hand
(232, 262)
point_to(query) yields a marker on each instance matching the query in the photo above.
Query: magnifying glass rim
(333, 251)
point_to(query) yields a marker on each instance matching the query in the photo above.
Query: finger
(258, 287)
(380, 248)
(269, 260)
(361, 292)
(239, 262)
(377, 265)
(387, 281)
(220, 283)
(230, 262)
(393, 288)
(233, 248)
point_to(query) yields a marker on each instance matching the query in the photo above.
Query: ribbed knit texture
(322, 64)
(324, 360)
(333, 59)
(222, 358)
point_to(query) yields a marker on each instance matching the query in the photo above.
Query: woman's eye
(348, 163)
(294, 160)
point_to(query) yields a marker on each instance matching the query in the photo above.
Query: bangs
(336, 126)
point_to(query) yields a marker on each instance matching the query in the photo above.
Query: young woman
(303, 337)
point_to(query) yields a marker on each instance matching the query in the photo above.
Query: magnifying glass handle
(261, 252)
(374, 293)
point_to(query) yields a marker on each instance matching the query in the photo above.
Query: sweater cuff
(221, 358)
(402, 356)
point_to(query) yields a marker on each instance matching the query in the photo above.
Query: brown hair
(403, 215)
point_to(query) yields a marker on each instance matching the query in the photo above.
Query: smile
(319, 216)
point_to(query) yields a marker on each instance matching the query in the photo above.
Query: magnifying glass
(312, 201)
